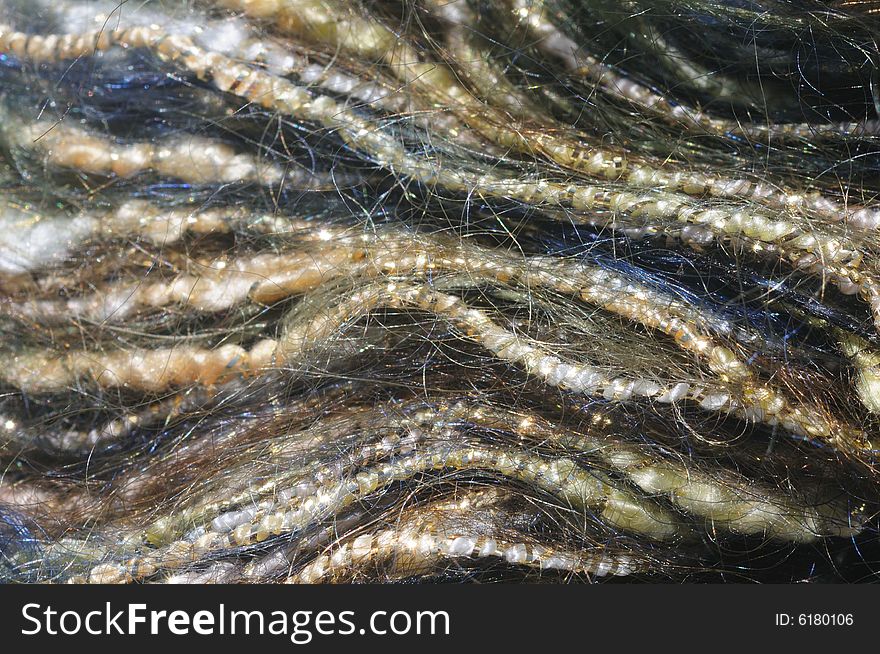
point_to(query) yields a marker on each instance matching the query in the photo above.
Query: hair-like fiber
(493, 290)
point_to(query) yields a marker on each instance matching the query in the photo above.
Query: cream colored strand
(217, 285)
(866, 360)
(434, 532)
(732, 501)
(189, 158)
(560, 477)
(31, 239)
(412, 551)
(165, 226)
(138, 368)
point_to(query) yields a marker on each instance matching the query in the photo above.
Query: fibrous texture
(334, 290)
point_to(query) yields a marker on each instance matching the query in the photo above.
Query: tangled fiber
(439, 290)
